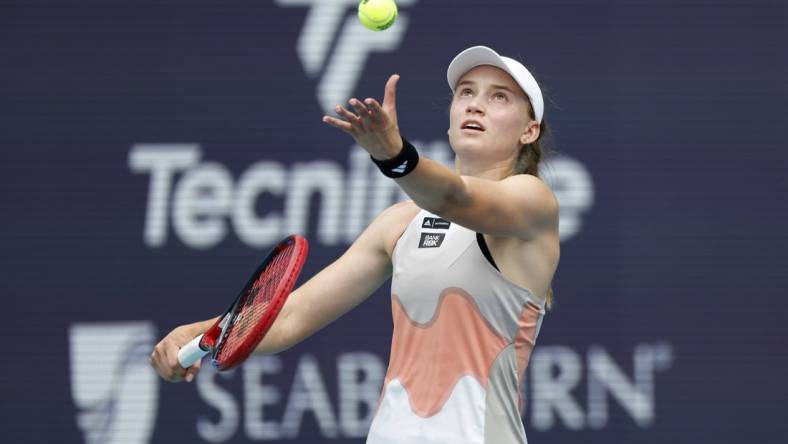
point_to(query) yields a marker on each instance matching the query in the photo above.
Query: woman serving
(471, 258)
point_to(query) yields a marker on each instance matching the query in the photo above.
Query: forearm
(433, 186)
(279, 337)
(200, 327)
(328, 295)
(317, 303)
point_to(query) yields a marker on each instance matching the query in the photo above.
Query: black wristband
(400, 165)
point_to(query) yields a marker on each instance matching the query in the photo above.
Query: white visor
(482, 55)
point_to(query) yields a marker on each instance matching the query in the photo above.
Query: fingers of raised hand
(339, 123)
(349, 116)
(390, 92)
(364, 114)
(375, 109)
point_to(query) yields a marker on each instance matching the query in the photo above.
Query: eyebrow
(472, 83)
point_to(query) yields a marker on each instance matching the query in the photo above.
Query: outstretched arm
(325, 297)
(517, 206)
(335, 290)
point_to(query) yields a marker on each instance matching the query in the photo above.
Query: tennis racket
(238, 331)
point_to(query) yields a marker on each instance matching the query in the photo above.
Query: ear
(531, 133)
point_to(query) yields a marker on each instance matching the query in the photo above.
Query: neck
(491, 172)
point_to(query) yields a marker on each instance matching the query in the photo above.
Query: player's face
(489, 116)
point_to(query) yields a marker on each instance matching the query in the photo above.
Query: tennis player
(471, 258)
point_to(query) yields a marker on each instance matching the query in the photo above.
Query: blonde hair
(528, 161)
(531, 154)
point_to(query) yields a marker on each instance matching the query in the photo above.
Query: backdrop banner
(152, 152)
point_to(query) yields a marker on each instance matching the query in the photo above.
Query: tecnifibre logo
(342, 68)
(112, 384)
(201, 202)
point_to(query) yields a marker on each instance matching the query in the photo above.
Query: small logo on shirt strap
(435, 223)
(431, 240)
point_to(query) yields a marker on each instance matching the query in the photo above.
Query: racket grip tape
(191, 352)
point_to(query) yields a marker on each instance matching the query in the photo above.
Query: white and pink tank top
(463, 335)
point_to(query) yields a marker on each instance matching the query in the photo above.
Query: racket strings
(255, 305)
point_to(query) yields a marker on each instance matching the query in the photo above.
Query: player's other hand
(164, 358)
(372, 125)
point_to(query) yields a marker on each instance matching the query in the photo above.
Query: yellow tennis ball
(377, 15)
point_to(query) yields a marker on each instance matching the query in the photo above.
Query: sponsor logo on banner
(113, 386)
(339, 71)
(116, 391)
(565, 388)
(202, 203)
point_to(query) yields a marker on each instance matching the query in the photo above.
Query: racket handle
(191, 353)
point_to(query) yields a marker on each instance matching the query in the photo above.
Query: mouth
(472, 125)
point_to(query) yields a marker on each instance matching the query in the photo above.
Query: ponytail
(528, 161)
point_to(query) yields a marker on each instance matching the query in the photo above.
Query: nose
(474, 107)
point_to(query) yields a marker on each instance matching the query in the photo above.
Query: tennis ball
(377, 15)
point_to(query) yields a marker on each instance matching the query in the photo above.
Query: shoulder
(520, 206)
(397, 217)
(532, 194)
(380, 236)
(401, 209)
(533, 186)
(393, 221)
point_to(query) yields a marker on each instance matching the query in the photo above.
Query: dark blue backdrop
(134, 200)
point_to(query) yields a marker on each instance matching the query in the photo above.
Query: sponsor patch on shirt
(435, 223)
(431, 240)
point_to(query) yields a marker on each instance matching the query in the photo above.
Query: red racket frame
(214, 338)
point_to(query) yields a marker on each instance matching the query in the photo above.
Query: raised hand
(372, 125)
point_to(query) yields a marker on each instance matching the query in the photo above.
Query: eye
(464, 92)
(500, 97)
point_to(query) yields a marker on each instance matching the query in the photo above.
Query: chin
(463, 142)
(471, 147)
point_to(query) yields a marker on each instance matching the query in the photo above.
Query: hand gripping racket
(238, 331)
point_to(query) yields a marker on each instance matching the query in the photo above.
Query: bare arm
(328, 295)
(517, 206)
(344, 284)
